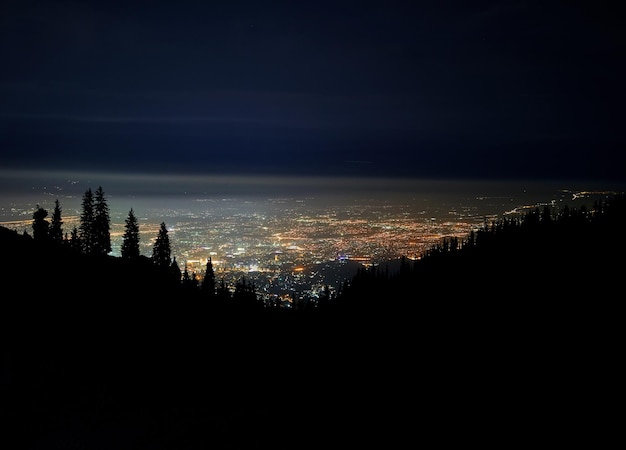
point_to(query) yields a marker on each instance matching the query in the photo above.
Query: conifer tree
(175, 272)
(161, 251)
(130, 240)
(223, 293)
(40, 224)
(208, 285)
(75, 240)
(56, 224)
(186, 276)
(194, 280)
(102, 224)
(245, 295)
(86, 232)
(189, 280)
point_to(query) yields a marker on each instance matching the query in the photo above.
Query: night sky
(471, 89)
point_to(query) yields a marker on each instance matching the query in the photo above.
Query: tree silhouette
(222, 293)
(102, 224)
(56, 224)
(86, 233)
(175, 272)
(40, 224)
(245, 296)
(189, 280)
(161, 250)
(74, 240)
(130, 240)
(208, 285)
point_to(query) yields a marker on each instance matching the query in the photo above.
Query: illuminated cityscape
(292, 247)
(283, 245)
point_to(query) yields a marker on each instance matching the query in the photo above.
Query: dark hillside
(519, 326)
(510, 335)
(536, 258)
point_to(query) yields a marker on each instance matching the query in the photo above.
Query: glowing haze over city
(290, 236)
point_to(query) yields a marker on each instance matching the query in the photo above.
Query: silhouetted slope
(514, 335)
(101, 342)
(518, 330)
(525, 260)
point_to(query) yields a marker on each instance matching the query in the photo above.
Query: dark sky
(488, 89)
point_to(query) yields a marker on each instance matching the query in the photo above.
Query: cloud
(130, 120)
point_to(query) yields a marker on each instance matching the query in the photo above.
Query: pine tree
(186, 276)
(102, 224)
(223, 293)
(130, 241)
(189, 280)
(40, 224)
(245, 295)
(175, 272)
(74, 240)
(208, 285)
(161, 251)
(56, 225)
(86, 227)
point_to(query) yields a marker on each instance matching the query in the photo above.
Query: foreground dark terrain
(510, 337)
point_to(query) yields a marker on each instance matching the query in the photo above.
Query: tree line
(504, 251)
(93, 234)
(524, 309)
(92, 237)
(546, 255)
